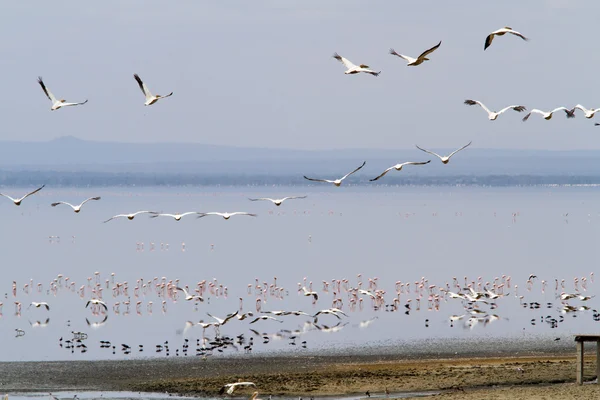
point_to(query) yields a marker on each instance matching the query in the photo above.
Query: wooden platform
(580, 340)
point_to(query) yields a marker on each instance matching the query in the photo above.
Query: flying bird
(177, 217)
(223, 321)
(265, 317)
(353, 69)
(96, 302)
(398, 167)
(230, 387)
(41, 304)
(445, 159)
(189, 296)
(76, 208)
(307, 292)
(331, 311)
(588, 113)
(278, 202)
(18, 201)
(150, 98)
(501, 32)
(492, 115)
(130, 216)
(336, 182)
(548, 114)
(226, 215)
(419, 60)
(56, 104)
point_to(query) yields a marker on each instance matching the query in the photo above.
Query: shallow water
(394, 234)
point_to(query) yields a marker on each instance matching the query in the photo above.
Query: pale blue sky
(260, 73)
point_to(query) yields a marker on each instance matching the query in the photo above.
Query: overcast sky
(261, 73)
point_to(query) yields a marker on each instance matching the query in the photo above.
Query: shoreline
(312, 376)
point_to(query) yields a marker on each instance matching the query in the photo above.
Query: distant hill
(70, 154)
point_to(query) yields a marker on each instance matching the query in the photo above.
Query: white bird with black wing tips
(188, 296)
(19, 200)
(130, 216)
(96, 302)
(278, 202)
(419, 60)
(40, 304)
(226, 215)
(492, 115)
(354, 69)
(547, 115)
(150, 98)
(501, 32)
(76, 208)
(176, 217)
(445, 159)
(336, 182)
(589, 113)
(307, 292)
(398, 167)
(56, 104)
(223, 321)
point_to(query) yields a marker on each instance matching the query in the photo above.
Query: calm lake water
(392, 234)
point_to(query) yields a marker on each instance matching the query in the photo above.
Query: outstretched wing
(62, 202)
(91, 198)
(261, 198)
(462, 148)
(116, 216)
(242, 213)
(228, 317)
(518, 34)
(74, 104)
(143, 86)
(30, 193)
(317, 180)
(428, 151)
(514, 107)
(525, 118)
(431, 50)
(344, 61)
(416, 162)
(350, 173)
(393, 52)
(488, 41)
(293, 197)
(200, 215)
(190, 213)
(382, 174)
(473, 102)
(48, 92)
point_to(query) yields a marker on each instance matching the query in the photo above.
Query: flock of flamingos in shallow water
(329, 307)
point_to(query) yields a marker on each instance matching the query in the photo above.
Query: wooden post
(598, 362)
(580, 362)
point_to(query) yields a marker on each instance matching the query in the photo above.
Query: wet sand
(527, 377)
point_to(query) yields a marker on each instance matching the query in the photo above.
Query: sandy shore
(527, 377)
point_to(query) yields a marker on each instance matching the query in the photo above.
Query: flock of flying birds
(351, 69)
(478, 298)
